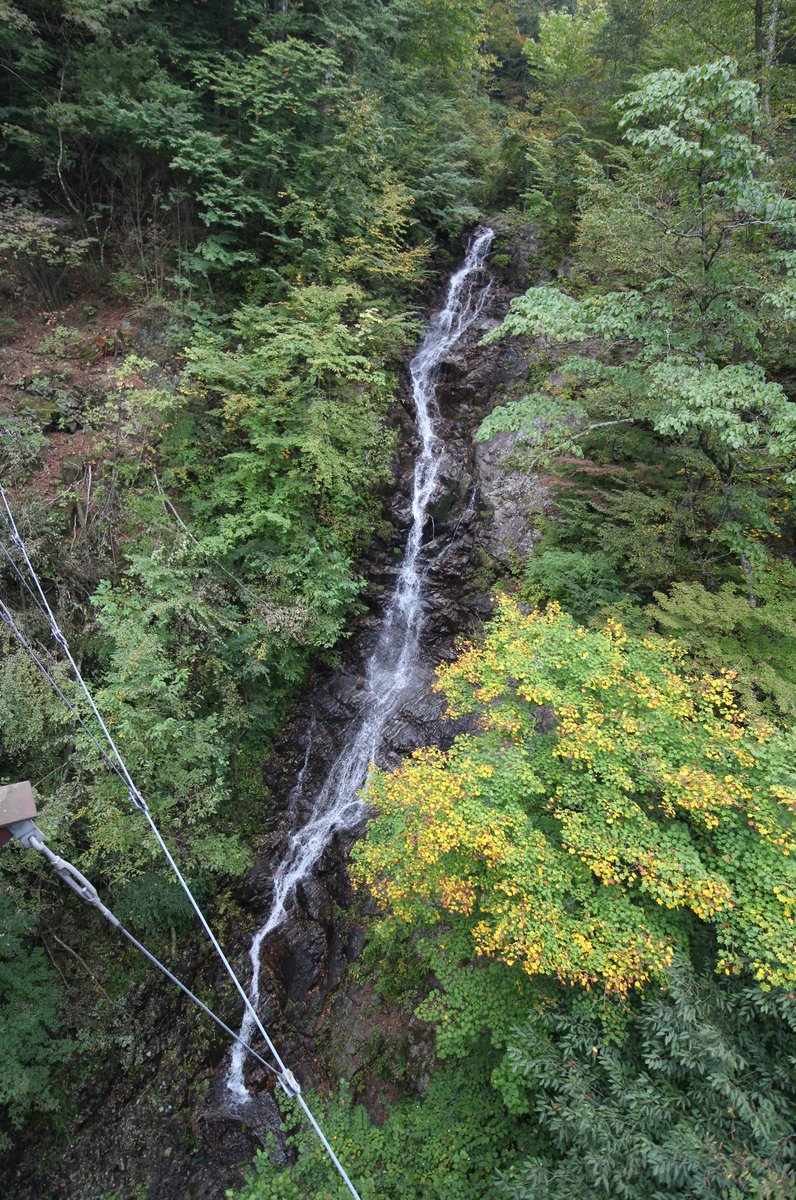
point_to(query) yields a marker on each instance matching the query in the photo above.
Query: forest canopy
(222, 229)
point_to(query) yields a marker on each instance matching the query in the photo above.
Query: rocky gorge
(482, 518)
(177, 1132)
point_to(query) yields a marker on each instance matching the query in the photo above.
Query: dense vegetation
(590, 895)
(262, 190)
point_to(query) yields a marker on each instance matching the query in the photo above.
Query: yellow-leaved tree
(610, 804)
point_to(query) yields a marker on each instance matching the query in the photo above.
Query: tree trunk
(759, 31)
(771, 49)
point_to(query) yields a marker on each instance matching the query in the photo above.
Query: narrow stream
(395, 662)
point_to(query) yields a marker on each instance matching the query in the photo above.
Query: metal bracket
(289, 1083)
(23, 831)
(30, 836)
(16, 802)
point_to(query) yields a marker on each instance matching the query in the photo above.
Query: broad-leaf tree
(684, 294)
(610, 804)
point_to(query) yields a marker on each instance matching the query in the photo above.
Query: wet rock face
(229, 1142)
(513, 497)
(481, 519)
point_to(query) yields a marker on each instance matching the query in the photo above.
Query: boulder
(513, 499)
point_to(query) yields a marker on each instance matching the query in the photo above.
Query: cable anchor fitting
(289, 1084)
(29, 835)
(58, 636)
(137, 800)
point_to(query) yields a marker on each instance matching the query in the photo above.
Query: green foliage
(699, 1073)
(315, 139)
(751, 632)
(26, 711)
(698, 1100)
(63, 342)
(161, 673)
(563, 56)
(22, 445)
(150, 902)
(582, 581)
(164, 655)
(683, 274)
(293, 414)
(697, 1069)
(609, 798)
(34, 1052)
(450, 1145)
(37, 251)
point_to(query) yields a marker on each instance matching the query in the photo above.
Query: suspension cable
(7, 618)
(286, 1078)
(21, 577)
(33, 839)
(135, 796)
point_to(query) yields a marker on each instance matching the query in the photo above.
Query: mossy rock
(72, 468)
(39, 409)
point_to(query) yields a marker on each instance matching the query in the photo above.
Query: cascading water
(395, 661)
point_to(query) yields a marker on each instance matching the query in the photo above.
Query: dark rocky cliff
(482, 518)
(167, 1129)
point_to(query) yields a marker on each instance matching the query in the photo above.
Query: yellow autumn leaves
(610, 801)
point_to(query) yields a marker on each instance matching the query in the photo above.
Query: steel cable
(286, 1077)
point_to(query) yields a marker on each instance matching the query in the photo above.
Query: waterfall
(395, 660)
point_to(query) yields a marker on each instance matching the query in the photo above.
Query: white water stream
(394, 662)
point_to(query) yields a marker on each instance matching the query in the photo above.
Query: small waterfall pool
(395, 659)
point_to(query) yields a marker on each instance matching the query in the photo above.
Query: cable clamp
(136, 799)
(29, 834)
(58, 636)
(289, 1083)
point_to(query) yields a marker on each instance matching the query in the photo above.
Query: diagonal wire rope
(7, 618)
(79, 884)
(135, 796)
(21, 578)
(192, 996)
(286, 1077)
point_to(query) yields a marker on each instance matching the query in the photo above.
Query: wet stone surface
(480, 516)
(484, 509)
